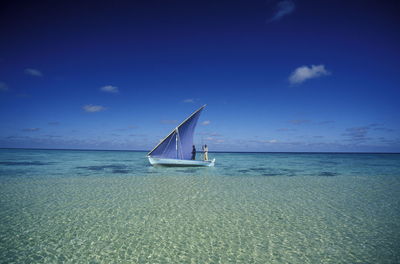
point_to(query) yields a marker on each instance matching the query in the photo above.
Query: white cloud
(3, 87)
(206, 122)
(109, 89)
(93, 108)
(189, 100)
(283, 8)
(304, 73)
(33, 72)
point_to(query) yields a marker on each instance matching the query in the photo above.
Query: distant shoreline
(248, 152)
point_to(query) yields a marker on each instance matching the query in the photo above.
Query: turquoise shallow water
(59, 206)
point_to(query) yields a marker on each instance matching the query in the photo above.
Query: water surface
(112, 207)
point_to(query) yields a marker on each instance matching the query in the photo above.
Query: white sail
(176, 148)
(178, 144)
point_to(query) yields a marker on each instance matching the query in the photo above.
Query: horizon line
(215, 151)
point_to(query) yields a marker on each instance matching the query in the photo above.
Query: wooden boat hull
(180, 163)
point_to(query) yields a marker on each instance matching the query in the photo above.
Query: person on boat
(205, 150)
(194, 153)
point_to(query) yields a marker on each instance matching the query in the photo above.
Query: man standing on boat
(194, 153)
(205, 150)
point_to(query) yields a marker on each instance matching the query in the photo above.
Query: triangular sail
(178, 144)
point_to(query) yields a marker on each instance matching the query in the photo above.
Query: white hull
(180, 163)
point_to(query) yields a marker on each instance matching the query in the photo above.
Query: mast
(176, 142)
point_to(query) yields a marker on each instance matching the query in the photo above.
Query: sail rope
(180, 143)
(167, 145)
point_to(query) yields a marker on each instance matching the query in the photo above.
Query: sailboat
(176, 148)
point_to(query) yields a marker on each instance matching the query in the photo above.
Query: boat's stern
(212, 163)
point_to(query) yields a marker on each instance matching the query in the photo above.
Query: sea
(76, 206)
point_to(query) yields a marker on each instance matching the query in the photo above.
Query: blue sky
(275, 75)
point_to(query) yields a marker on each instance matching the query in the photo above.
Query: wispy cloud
(304, 73)
(109, 89)
(206, 122)
(17, 137)
(33, 72)
(360, 134)
(282, 8)
(384, 129)
(3, 87)
(357, 133)
(189, 100)
(31, 129)
(93, 108)
(52, 136)
(268, 141)
(380, 127)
